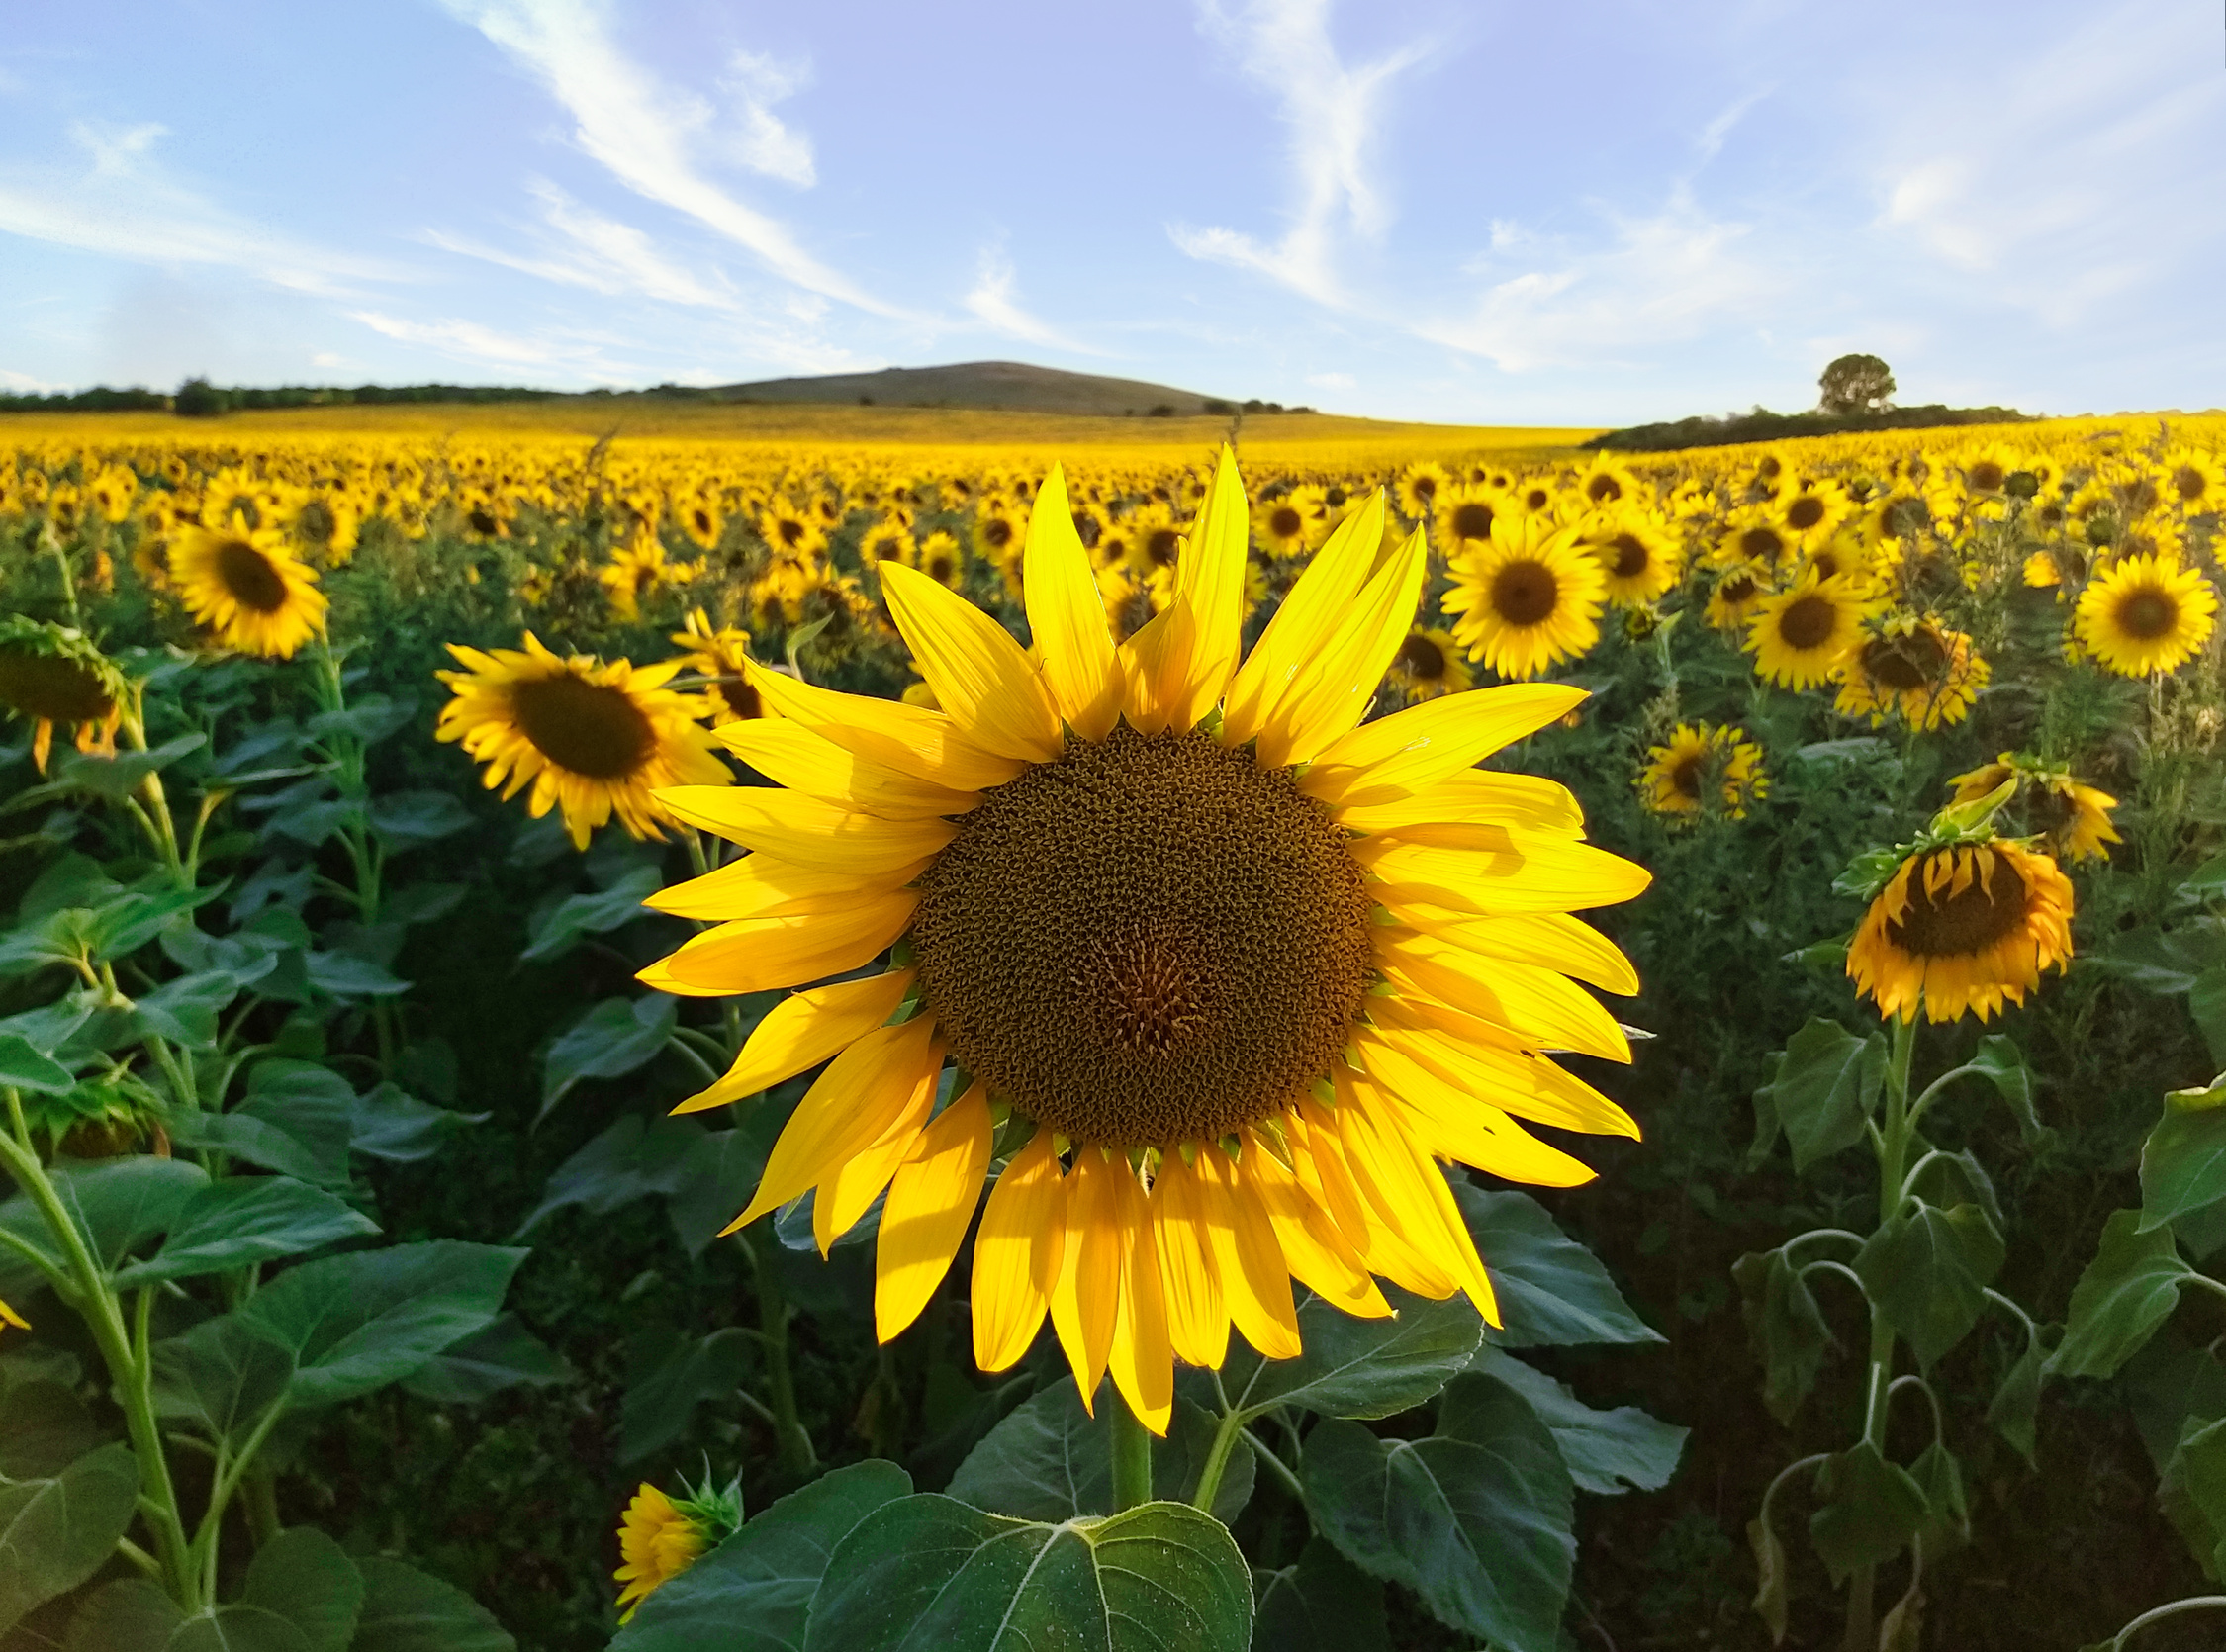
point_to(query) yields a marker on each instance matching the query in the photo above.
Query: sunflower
(1639, 560)
(638, 571)
(1962, 926)
(699, 517)
(717, 653)
(889, 539)
(1283, 529)
(1428, 664)
(1799, 636)
(1754, 537)
(1131, 601)
(2146, 615)
(660, 1537)
(792, 532)
(246, 585)
(1223, 972)
(1914, 667)
(1606, 486)
(49, 674)
(1529, 596)
(1419, 485)
(2194, 481)
(1703, 770)
(941, 560)
(2071, 819)
(1812, 513)
(112, 490)
(1737, 592)
(1464, 515)
(1156, 538)
(1888, 517)
(589, 738)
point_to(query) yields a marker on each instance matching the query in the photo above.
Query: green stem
(1132, 1456)
(2171, 1609)
(792, 1443)
(1276, 1466)
(1226, 1435)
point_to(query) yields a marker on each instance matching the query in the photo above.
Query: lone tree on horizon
(1856, 383)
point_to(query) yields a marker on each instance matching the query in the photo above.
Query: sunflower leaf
(1826, 1088)
(1353, 1367)
(56, 1531)
(2127, 1291)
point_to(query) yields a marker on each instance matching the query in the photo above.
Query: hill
(1734, 429)
(1006, 385)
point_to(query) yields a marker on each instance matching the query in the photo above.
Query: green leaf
(2003, 1065)
(1551, 1290)
(1785, 1327)
(2014, 1410)
(185, 1010)
(255, 1140)
(1476, 1518)
(1355, 1367)
(1049, 1459)
(499, 1356)
(119, 1203)
(57, 1532)
(2128, 1290)
(1928, 1270)
(557, 931)
(2206, 1003)
(612, 1039)
(405, 1611)
(345, 975)
(406, 819)
(358, 1321)
(1869, 1510)
(311, 1103)
(1947, 1520)
(131, 1615)
(1770, 1597)
(630, 1160)
(753, 1592)
(1323, 1604)
(1605, 1452)
(390, 1125)
(2183, 1165)
(714, 1184)
(2192, 1491)
(237, 1628)
(24, 1067)
(1826, 1089)
(244, 1219)
(47, 1429)
(660, 1405)
(223, 1375)
(929, 1571)
(372, 718)
(305, 1578)
(116, 778)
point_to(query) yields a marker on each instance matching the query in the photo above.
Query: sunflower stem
(1132, 1458)
(792, 1443)
(1226, 1435)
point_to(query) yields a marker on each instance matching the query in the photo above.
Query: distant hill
(1011, 386)
(1764, 425)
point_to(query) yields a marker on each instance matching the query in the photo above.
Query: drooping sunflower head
(1799, 637)
(247, 587)
(589, 738)
(1962, 927)
(660, 1537)
(1913, 667)
(1224, 973)
(2145, 614)
(49, 674)
(1704, 770)
(2070, 819)
(1527, 598)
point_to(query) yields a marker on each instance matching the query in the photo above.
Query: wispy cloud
(1332, 111)
(993, 302)
(470, 341)
(766, 145)
(650, 134)
(581, 248)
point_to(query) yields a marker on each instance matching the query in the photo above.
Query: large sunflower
(591, 739)
(1224, 973)
(1799, 637)
(2146, 615)
(52, 675)
(244, 585)
(1526, 597)
(1912, 667)
(1962, 927)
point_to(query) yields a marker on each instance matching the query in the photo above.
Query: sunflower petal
(1530, 802)
(1306, 625)
(1197, 1318)
(848, 1191)
(806, 830)
(984, 679)
(930, 1205)
(1087, 1297)
(1017, 1255)
(1544, 1008)
(1454, 1080)
(1140, 1358)
(1532, 872)
(1066, 618)
(1338, 687)
(770, 952)
(909, 738)
(767, 887)
(1408, 751)
(789, 753)
(1548, 940)
(803, 1030)
(1211, 580)
(1317, 1255)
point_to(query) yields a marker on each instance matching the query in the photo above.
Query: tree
(198, 399)
(1856, 383)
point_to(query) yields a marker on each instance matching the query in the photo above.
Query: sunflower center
(315, 521)
(2190, 483)
(1600, 489)
(1685, 774)
(1739, 587)
(1525, 592)
(1284, 523)
(58, 690)
(1905, 664)
(1986, 477)
(1631, 555)
(1420, 658)
(1162, 546)
(1808, 622)
(1762, 544)
(997, 534)
(1149, 940)
(1963, 924)
(249, 575)
(739, 696)
(2147, 615)
(1472, 521)
(591, 728)
(1805, 512)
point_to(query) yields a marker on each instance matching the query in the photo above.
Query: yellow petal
(1544, 1008)
(1197, 1320)
(1087, 1297)
(848, 1191)
(790, 755)
(1391, 1192)
(1017, 1255)
(803, 1030)
(804, 830)
(1319, 1256)
(1402, 754)
(1254, 1282)
(767, 887)
(1530, 873)
(1410, 1183)
(1307, 623)
(1547, 940)
(768, 953)
(1210, 579)
(658, 977)
(1338, 687)
(983, 679)
(908, 738)
(1466, 1108)
(1319, 1161)
(1140, 1358)
(1066, 618)
(1529, 802)
(849, 1107)
(930, 1204)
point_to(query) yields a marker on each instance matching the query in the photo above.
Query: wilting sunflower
(718, 654)
(589, 738)
(660, 1537)
(49, 674)
(1225, 973)
(1962, 926)
(1640, 561)
(1704, 770)
(2146, 615)
(1913, 667)
(1527, 597)
(2069, 818)
(244, 585)
(1799, 637)
(1428, 663)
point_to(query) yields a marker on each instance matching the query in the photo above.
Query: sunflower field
(1365, 1044)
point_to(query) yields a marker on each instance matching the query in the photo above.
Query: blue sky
(1461, 209)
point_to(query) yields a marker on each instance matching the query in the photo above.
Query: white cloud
(765, 144)
(327, 358)
(993, 302)
(1332, 110)
(471, 341)
(583, 248)
(115, 150)
(646, 132)
(1334, 381)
